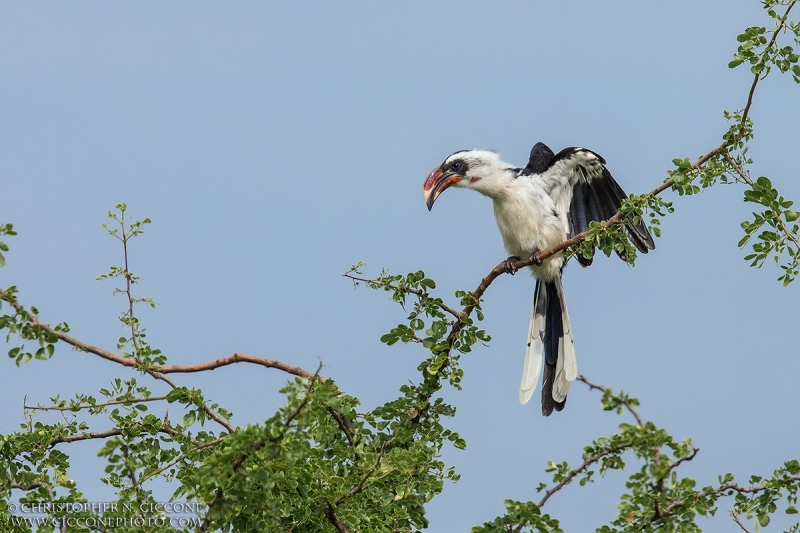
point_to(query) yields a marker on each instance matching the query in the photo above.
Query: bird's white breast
(528, 221)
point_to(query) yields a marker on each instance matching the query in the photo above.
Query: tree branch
(330, 513)
(682, 460)
(237, 358)
(157, 371)
(35, 485)
(86, 436)
(169, 369)
(345, 425)
(115, 432)
(757, 78)
(735, 487)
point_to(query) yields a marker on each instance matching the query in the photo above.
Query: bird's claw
(535, 258)
(509, 265)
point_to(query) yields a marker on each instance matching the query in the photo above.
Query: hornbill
(552, 199)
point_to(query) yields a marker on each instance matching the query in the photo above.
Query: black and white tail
(550, 335)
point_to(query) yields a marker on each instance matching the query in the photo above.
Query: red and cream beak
(436, 182)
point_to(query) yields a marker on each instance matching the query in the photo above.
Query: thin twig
(736, 519)
(157, 371)
(682, 460)
(130, 401)
(778, 219)
(442, 306)
(601, 388)
(362, 482)
(345, 425)
(176, 461)
(131, 319)
(134, 482)
(212, 414)
(738, 169)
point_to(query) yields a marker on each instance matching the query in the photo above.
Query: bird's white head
(481, 170)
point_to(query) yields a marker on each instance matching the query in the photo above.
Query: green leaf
(189, 418)
(389, 339)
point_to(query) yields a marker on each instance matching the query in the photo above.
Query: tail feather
(549, 338)
(533, 353)
(570, 362)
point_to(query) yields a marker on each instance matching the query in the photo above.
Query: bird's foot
(509, 265)
(535, 258)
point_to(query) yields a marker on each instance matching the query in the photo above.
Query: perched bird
(552, 199)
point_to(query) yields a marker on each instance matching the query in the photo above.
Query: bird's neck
(495, 185)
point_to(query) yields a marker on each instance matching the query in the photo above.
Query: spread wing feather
(579, 181)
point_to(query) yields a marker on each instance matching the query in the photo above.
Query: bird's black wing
(581, 185)
(539, 160)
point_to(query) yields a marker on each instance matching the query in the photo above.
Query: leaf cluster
(23, 324)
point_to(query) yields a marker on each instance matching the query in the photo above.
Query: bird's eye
(457, 166)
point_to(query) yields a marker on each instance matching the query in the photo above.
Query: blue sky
(274, 145)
